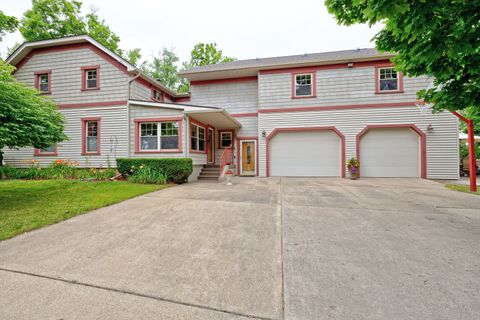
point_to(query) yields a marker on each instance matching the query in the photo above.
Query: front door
(248, 158)
(211, 146)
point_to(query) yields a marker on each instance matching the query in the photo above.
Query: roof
(251, 67)
(25, 48)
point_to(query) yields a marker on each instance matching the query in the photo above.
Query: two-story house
(299, 115)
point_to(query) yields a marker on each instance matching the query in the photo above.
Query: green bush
(176, 170)
(147, 175)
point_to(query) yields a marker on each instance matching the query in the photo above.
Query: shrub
(176, 170)
(147, 175)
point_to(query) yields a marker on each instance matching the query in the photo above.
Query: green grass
(29, 205)
(462, 188)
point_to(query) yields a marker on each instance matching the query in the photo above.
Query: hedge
(176, 170)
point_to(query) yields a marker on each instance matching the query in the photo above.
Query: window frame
(377, 80)
(85, 71)
(220, 132)
(40, 153)
(153, 95)
(199, 126)
(313, 75)
(85, 122)
(38, 75)
(158, 121)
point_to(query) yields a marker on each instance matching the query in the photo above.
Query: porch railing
(226, 159)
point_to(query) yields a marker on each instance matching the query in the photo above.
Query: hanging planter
(352, 166)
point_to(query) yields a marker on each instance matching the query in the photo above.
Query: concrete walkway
(261, 249)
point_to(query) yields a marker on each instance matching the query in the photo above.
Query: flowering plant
(353, 165)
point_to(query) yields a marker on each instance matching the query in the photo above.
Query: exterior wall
(442, 142)
(140, 92)
(249, 126)
(66, 76)
(235, 97)
(113, 139)
(334, 87)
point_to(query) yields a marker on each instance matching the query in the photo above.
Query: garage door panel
(390, 153)
(315, 153)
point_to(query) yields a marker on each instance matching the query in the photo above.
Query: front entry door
(248, 158)
(211, 146)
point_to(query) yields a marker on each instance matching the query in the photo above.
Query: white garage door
(306, 153)
(390, 153)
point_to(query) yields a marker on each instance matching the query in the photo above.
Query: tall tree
(98, 30)
(28, 119)
(164, 68)
(202, 54)
(134, 56)
(7, 24)
(435, 38)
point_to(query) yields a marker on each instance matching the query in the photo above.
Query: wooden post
(471, 153)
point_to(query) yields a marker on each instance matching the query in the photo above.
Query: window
(91, 136)
(197, 138)
(91, 78)
(153, 139)
(226, 139)
(303, 85)
(50, 151)
(42, 81)
(156, 95)
(388, 80)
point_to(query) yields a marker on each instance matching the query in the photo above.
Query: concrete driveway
(262, 249)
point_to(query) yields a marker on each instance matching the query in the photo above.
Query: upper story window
(303, 85)
(157, 95)
(158, 136)
(197, 138)
(91, 78)
(43, 81)
(388, 80)
(91, 136)
(226, 139)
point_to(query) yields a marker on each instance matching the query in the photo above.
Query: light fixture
(350, 65)
(264, 133)
(429, 128)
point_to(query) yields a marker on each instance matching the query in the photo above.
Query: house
(298, 115)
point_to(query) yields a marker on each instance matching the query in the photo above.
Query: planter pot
(229, 179)
(354, 176)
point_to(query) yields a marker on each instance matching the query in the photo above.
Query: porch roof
(218, 118)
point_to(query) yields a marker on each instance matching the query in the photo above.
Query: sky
(242, 29)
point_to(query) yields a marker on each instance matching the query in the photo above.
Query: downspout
(128, 111)
(471, 151)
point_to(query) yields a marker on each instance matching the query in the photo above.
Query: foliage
(49, 19)
(134, 56)
(29, 205)
(474, 114)
(163, 68)
(147, 175)
(461, 188)
(28, 118)
(176, 170)
(436, 38)
(353, 165)
(464, 150)
(202, 54)
(7, 24)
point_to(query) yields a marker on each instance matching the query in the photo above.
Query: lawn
(28, 205)
(462, 188)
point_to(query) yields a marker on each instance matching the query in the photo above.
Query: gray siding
(238, 97)
(113, 139)
(334, 87)
(442, 142)
(66, 77)
(249, 126)
(140, 92)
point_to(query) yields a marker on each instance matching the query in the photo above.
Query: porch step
(209, 172)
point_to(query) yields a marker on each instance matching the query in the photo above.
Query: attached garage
(305, 152)
(391, 152)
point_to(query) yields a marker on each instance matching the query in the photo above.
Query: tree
(28, 119)
(98, 30)
(164, 69)
(134, 56)
(202, 54)
(7, 24)
(434, 38)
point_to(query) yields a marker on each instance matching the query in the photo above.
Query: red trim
(340, 107)
(313, 73)
(377, 80)
(220, 138)
(471, 151)
(84, 77)
(138, 121)
(92, 104)
(199, 124)
(423, 143)
(182, 99)
(303, 129)
(251, 114)
(152, 95)
(84, 135)
(326, 67)
(210, 142)
(37, 75)
(217, 81)
(149, 85)
(39, 153)
(239, 150)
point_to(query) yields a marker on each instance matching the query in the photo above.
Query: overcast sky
(242, 29)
